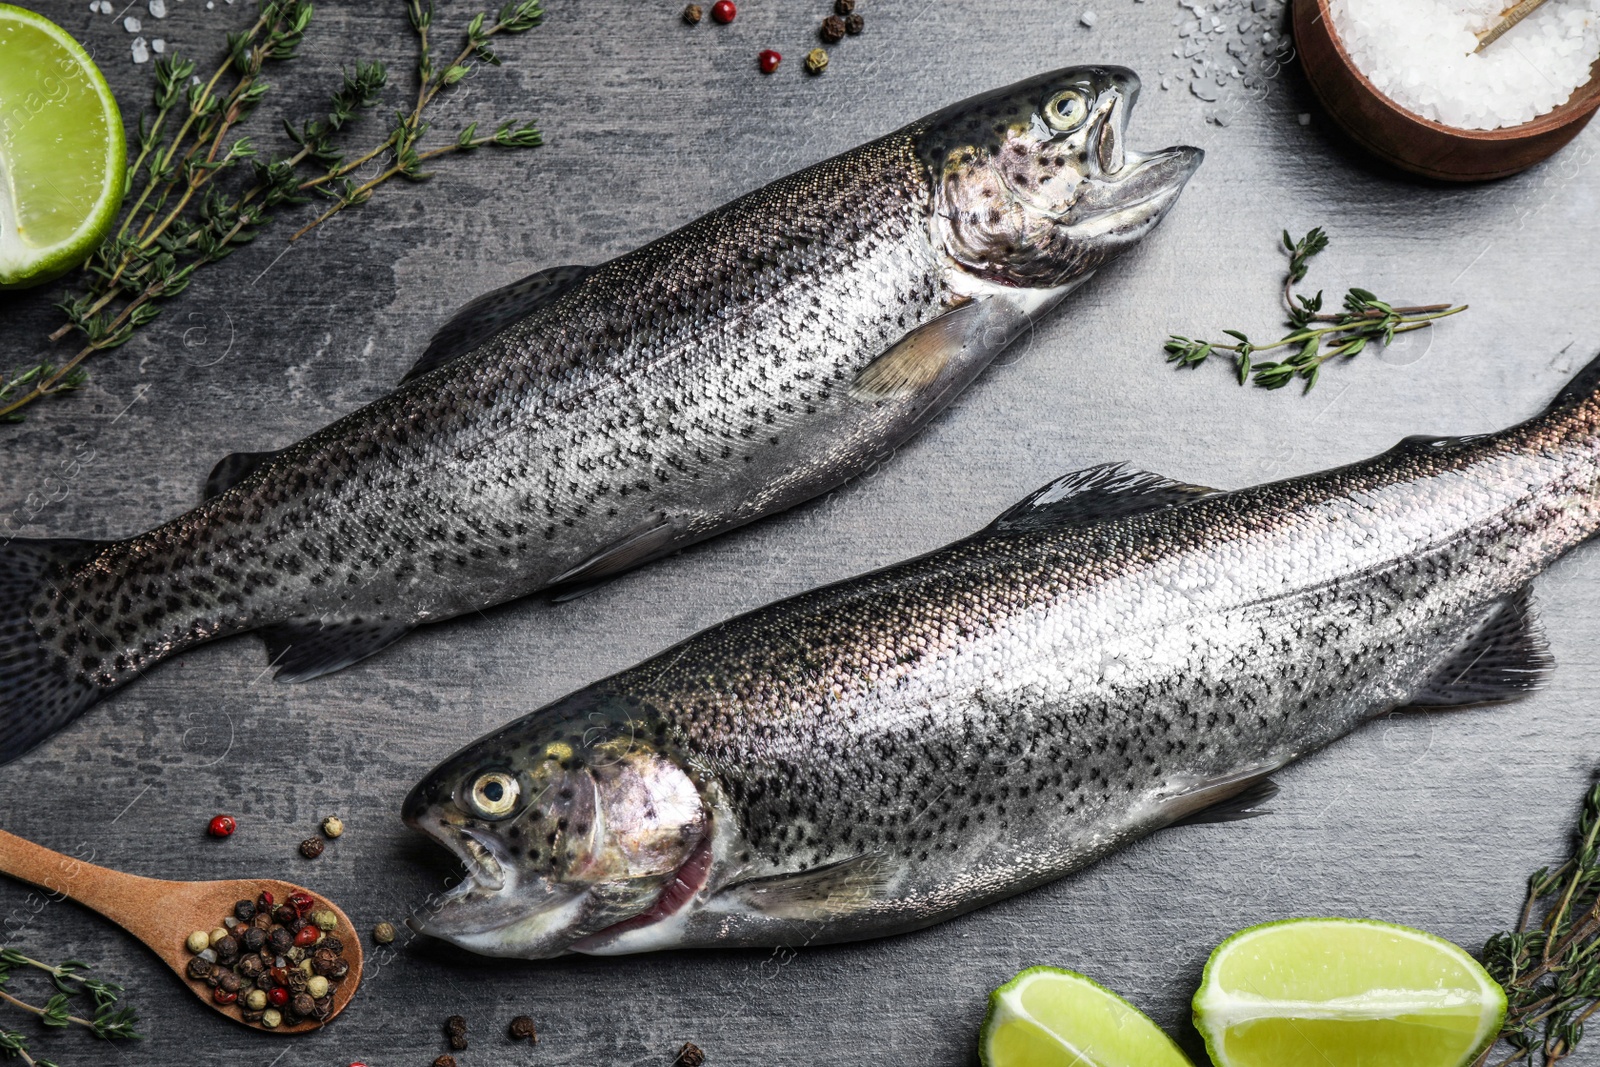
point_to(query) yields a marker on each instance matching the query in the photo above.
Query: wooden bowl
(1412, 142)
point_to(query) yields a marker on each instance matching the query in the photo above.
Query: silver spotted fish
(586, 420)
(1117, 653)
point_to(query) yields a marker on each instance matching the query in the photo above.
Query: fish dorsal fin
(480, 319)
(918, 358)
(1108, 491)
(234, 468)
(302, 649)
(820, 893)
(1505, 657)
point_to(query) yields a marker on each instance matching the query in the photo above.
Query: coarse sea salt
(1419, 53)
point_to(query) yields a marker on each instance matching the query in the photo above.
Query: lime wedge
(1342, 993)
(62, 155)
(1050, 1017)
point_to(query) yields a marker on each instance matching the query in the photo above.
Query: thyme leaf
(1316, 337)
(205, 188)
(1549, 964)
(107, 1021)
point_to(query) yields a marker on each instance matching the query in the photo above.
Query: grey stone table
(1432, 820)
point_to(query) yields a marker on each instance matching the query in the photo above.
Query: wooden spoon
(162, 914)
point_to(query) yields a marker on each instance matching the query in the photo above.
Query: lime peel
(63, 156)
(1450, 1023)
(1053, 1017)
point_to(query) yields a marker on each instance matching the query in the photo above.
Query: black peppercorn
(455, 1028)
(229, 982)
(252, 939)
(200, 969)
(281, 941)
(302, 1004)
(262, 921)
(252, 1016)
(264, 980)
(844, 7)
(283, 914)
(251, 967)
(522, 1027)
(323, 1006)
(853, 24)
(689, 1056)
(692, 14)
(296, 981)
(833, 29)
(311, 847)
(332, 944)
(244, 910)
(446, 1060)
(227, 948)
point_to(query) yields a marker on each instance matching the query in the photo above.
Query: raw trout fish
(585, 420)
(1116, 653)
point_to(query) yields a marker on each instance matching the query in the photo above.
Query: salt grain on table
(1089, 18)
(158, 9)
(158, 46)
(1421, 54)
(131, 24)
(141, 52)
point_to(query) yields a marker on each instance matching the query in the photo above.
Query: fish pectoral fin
(1108, 491)
(1505, 657)
(234, 468)
(821, 893)
(302, 649)
(1245, 804)
(480, 319)
(918, 358)
(639, 545)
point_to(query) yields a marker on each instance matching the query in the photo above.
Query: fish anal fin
(482, 318)
(1505, 657)
(1108, 491)
(917, 359)
(1234, 807)
(644, 542)
(234, 468)
(302, 649)
(820, 893)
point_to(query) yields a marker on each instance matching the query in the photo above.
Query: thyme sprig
(1549, 965)
(106, 1021)
(190, 141)
(1316, 336)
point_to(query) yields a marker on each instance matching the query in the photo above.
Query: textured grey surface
(1426, 819)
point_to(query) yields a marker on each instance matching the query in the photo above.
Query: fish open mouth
(482, 865)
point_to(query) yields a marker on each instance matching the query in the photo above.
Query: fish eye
(494, 794)
(1067, 110)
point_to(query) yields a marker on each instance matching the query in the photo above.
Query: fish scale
(1117, 653)
(585, 420)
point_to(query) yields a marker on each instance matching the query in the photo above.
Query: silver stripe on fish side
(1116, 653)
(589, 419)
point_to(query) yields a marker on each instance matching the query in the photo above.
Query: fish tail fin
(1584, 384)
(40, 692)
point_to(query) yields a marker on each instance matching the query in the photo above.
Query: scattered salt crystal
(131, 24)
(1089, 18)
(1304, 118)
(1420, 53)
(158, 9)
(158, 45)
(141, 52)
(210, 6)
